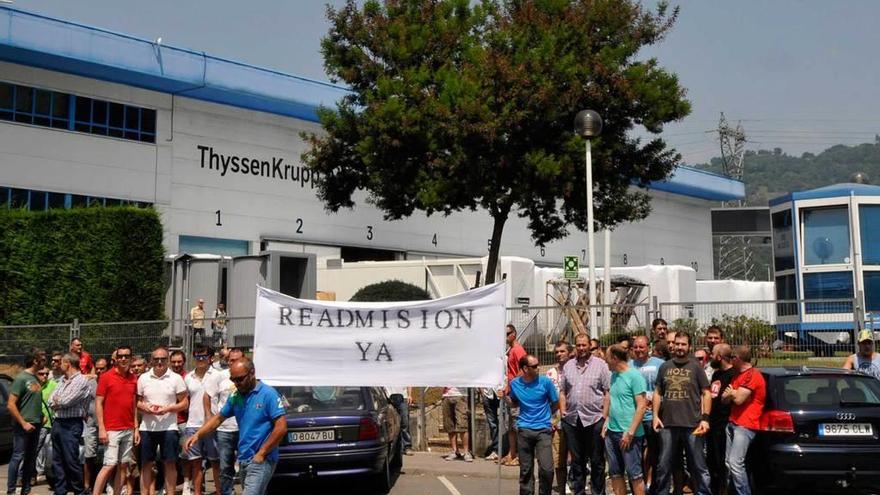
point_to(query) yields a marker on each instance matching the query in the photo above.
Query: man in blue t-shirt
(262, 423)
(537, 399)
(648, 366)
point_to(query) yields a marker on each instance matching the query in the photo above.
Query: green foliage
(390, 290)
(793, 355)
(739, 329)
(459, 105)
(769, 173)
(95, 264)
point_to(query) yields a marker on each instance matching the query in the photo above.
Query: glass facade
(828, 285)
(826, 235)
(872, 291)
(869, 225)
(32, 200)
(783, 247)
(45, 108)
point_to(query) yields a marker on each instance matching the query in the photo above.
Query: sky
(800, 75)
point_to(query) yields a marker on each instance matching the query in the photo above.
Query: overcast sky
(802, 75)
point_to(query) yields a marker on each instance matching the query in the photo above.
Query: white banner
(456, 341)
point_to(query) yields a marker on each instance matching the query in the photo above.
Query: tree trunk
(499, 218)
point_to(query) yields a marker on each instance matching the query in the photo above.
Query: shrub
(390, 290)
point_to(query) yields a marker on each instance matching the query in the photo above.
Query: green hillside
(772, 173)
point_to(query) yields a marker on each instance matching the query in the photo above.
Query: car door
(5, 418)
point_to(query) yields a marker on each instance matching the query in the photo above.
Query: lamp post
(588, 124)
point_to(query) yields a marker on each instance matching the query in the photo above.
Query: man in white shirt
(161, 394)
(206, 447)
(217, 389)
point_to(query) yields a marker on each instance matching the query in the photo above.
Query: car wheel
(383, 479)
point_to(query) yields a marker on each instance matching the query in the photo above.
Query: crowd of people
(655, 410)
(142, 420)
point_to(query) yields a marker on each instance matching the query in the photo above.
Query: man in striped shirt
(585, 381)
(69, 402)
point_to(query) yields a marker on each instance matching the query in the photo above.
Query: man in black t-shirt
(716, 441)
(682, 403)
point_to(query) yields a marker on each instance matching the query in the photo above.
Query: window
(872, 290)
(869, 225)
(11, 197)
(813, 392)
(306, 399)
(828, 285)
(826, 235)
(783, 247)
(38, 201)
(18, 198)
(77, 113)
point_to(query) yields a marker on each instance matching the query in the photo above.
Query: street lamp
(588, 124)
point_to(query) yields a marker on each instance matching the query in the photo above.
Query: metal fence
(820, 332)
(540, 327)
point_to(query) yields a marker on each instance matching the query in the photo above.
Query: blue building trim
(842, 191)
(688, 181)
(63, 46)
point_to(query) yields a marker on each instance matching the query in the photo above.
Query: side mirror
(396, 399)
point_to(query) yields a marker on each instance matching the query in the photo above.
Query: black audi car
(820, 433)
(339, 431)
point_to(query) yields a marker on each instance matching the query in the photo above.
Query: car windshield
(307, 399)
(815, 392)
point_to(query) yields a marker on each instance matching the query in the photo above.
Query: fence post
(423, 423)
(655, 309)
(859, 317)
(74, 330)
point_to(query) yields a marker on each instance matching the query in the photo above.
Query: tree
(459, 105)
(390, 290)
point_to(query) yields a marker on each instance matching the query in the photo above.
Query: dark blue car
(340, 431)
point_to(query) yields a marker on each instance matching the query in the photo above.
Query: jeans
(532, 444)
(585, 443)
(405, 435)
(716, 448)
(66, 433)
(671, 440)
(738, 441)
(255, 476)
(227, 442)
(621, 461)
(24, 455)
(490, 408)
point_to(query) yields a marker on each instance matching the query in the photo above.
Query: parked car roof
(805, 370)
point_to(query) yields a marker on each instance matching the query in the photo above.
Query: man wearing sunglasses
(262, 422)
(116, 418)
(206, 447)
(538, 399)
(161, 394)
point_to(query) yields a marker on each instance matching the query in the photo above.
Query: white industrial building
(91, 117)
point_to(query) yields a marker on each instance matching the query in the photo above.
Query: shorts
(119, 447)
(455, 414)
(205, 448)
(168, 443)
(90, 440)
(623, 461)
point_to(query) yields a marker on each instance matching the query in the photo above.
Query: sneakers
(492, 457)
(468, 457)
(407, 452)
(187, 488)
(452, 456)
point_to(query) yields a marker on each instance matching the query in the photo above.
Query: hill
(770, 173)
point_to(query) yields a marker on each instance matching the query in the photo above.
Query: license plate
(311, 436)
(845, 430)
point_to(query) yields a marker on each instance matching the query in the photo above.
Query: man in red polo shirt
(747, 393)
(515, 352)
(85, 359)
(115, 411)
